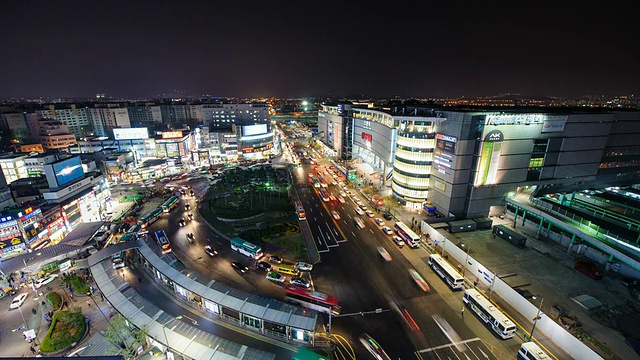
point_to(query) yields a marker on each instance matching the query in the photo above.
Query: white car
(359, 211)
(342, 193)
(341, 199)
(303, 266)
(379, 221)
(18, 301)
(335, 214)
(45, 280)
(387, 230)
(369, 213)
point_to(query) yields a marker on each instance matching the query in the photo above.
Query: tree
(123, 337)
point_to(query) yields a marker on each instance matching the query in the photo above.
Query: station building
(464, 161)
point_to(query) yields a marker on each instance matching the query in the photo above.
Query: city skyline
(254, 49)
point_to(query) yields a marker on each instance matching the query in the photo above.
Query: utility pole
(361, 313)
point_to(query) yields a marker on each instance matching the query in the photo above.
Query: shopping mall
(463, 162)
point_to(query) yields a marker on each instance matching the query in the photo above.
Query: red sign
(367, 137)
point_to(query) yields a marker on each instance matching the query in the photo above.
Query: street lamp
(536, 318)
(166, 339)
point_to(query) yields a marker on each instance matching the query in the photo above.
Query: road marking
(352, 233)
(371, 230)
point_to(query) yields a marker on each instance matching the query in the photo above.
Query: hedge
(66, 328)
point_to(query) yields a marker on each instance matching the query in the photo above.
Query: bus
(314, 181)
(148, 219)
(447, 272)
(117, 260)
(128, 237)
(170, 203)
(324, 195)
(306, 354)
(246, 248)
(134, 229)
(163, 241)
(531, 351)
(486, 311)
(300, 210)
(288, 269)
(313, 300)
(409, 237)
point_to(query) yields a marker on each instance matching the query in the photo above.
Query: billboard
(259, 129)
(68, 170)
(171, 134)
(131, 133)
(489, 158)
(446, 143)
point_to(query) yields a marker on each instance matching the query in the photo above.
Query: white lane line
(371, 230)
(352, 233)
(320, 231)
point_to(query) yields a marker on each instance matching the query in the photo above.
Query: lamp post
(166, 339)
(466, 260)
(536, 318)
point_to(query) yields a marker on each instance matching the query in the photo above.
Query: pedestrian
(33, 351)
(462, 311)
(89, 303)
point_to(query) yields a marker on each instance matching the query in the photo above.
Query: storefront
(11, 240)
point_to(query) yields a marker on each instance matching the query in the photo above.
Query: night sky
(144, 49)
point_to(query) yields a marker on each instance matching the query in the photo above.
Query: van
(590, 269)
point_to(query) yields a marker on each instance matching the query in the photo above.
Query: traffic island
(67, 328)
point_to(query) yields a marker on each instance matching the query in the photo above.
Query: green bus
(246, 248)
(150, 218)
(170, 204)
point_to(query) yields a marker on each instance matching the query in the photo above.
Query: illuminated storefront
(11, 239)
(174, 144)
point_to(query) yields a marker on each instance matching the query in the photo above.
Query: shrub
(66, 328)
(78, 284)
(54, 299)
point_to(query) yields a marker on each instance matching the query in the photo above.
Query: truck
(510, 235)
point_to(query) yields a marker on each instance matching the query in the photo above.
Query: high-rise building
(76, 118)
(144, 115)
(16, 124)
(104, 120)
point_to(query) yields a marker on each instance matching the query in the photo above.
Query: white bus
(531, 351)
(409, 237)
(447, 272)
(487, 312)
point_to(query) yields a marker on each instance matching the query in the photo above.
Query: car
(341, 199)
(300, 281)
(369, 213)
(274, 276)
(335, 214)
(303, 266)
(387, 230)
(210, 251)
(379, 221)
(18, 301)
(187, 207)
(342, 193)
(332, 197)
(398, 241)
(359, 223)
(590, 269)
(373, 347)
(263, 265)
(275, 259)
(45, 280)
(190, 237)
(181, 222)
(419, 280)
(190, 216)
(239, 267)
(359, 211)
(387, 216)
(384, 253)
(165, 180)
(334, 183)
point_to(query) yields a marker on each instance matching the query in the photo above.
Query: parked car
(275, 277)
(359, 211)
(303, 266)
(18, 301)
(237, 266)
(387, 216)
(387, 230)
(590, 269)
(263, 265)
(301, 282)
(45, 280)
(369, 213)
(379, 221)
(210, 251)
(275, 259)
